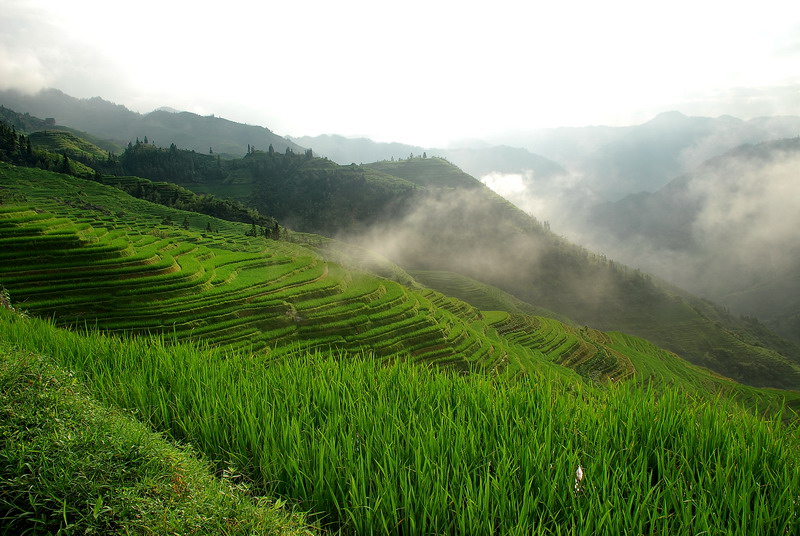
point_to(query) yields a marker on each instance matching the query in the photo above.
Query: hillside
(726, 231)
(426, 214)
(66, 142)
(440, 218)
(27, 123)
(92, 254)
(116, 123)
(472, 231)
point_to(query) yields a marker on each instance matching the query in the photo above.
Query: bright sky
(417, 71)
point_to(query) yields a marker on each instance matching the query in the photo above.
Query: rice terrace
(177, 360)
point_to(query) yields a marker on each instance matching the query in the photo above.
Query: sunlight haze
(416, 72)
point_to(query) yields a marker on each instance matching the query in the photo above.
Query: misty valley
(208, 328)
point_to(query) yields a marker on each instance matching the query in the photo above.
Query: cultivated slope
(92, 255)
(83, 258)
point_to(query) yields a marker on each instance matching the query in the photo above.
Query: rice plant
(373, 447)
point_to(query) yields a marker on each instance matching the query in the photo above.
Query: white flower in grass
(578, 478)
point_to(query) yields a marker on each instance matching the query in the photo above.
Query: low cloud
(462, 231)
(749, 211)
(728, 231)
(475, 233)
(561, 200)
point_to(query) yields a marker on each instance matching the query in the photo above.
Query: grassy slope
(57, 141)
(71, 465)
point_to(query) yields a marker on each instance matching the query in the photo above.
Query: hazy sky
(423, 72)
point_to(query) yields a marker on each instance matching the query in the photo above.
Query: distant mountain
(476, 161)
(617, 161)
(728, 230)
(115, 122)
(343, 150)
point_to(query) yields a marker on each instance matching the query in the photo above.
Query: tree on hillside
(253, 230)
(65, 167)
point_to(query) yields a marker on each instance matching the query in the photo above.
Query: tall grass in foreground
(69, 465)
(401, 449)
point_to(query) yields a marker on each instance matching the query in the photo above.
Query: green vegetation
(61, 142)
(18, 149)
(429, 173)
(69, 465)
(401, 449)
(172, 195)
(173, 165)
(99, 257)
(305, 376)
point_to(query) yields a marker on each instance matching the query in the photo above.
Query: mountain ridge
(117, 123)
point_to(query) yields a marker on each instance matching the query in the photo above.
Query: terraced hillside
(59, 141)
(84, 259)
(274, 296)
(88, 254)
(94, 256)
(579, 349)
